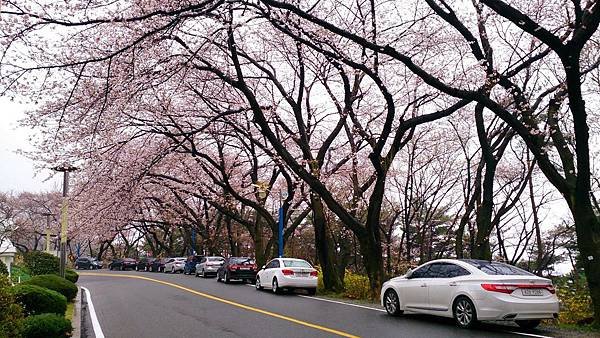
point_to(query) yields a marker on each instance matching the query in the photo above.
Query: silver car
(208, 266)
(175, 264)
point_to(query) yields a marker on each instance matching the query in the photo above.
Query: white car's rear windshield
(496, 268)
(296, 264)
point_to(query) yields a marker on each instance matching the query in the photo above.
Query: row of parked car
(467, 290)
(279, 274)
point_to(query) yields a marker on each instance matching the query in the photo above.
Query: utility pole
(65, 169)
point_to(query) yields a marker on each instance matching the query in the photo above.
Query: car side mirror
(263, 267)
(408, 273)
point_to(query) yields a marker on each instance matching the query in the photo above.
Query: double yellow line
(242, 306)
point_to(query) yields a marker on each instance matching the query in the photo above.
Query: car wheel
(227, 279)
(464, 312)
(257, 284)
(90, 267)
(391, 302)
(311, 291)
(275, 286)
(528, 324)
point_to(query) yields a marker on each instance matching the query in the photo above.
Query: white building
(7, 252)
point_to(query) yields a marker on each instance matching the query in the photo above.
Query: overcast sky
(17, 172)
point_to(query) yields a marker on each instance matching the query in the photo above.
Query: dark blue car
(190, 265)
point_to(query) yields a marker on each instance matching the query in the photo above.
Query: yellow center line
(242, 306)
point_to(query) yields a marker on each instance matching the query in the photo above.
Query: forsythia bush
(355, 286)
(575, 300)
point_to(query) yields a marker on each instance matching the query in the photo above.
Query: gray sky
(17, 172)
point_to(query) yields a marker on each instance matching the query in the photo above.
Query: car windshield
(293, 263)
(241, 260)
(497, 268)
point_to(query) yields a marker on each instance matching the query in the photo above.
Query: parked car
(96, 263)
(241, 268)
(158, 265)
(86, 263)
(144, 263)
(174, 265)
(190, 264)
(208, 266)
(470, 290)
(287, 273)
(122, 264)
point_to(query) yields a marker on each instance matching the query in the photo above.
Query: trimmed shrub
(71, 275)
(3, 269)
(11, 313)
(56, 283)
(41, 263)
(47, 325)
(37, 300)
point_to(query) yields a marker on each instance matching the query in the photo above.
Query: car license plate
(532, 292)
(244, 268)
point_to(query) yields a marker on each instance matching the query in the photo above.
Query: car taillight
(509, 288)
(287, 272)
(314, 274)
(233, 267)
(503, 288)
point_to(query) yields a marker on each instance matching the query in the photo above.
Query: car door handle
(452, 284)
(423, 285)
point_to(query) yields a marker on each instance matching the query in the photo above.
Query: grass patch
(70, 311)
(21, 272)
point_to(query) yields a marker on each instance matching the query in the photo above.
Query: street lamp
(65, 169)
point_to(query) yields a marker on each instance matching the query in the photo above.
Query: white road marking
(95, 324)
(342, 303)
(528, 334)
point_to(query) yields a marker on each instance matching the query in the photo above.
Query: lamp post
(47, 230)
(65, 169)
(282, 196)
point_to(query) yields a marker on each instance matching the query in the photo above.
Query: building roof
(6, 247)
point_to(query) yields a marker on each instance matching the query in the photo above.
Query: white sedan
(287, 273)
(174, 265)
(470, 290)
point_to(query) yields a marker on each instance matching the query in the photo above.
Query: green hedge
(41, 263)
(3, 269)
(11, 314)
(37, 300)
(56, 283)
(47, 325)
(71, 275)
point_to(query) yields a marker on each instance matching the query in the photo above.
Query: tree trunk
(324, 247)
(587, 226)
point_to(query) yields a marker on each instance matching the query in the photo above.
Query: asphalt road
(141, 304)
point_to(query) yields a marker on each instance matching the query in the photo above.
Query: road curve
(140, 304)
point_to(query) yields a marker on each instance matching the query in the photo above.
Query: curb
(76, 321)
